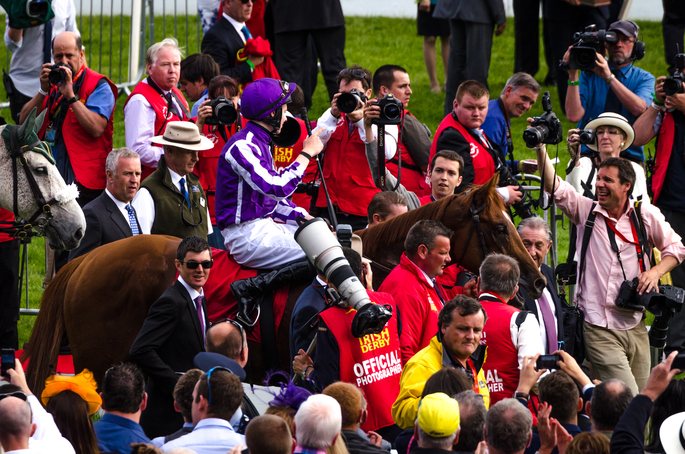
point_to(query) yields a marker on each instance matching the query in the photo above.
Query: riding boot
(249, 291)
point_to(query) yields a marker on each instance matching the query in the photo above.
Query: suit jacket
(481, 11)
(104, 224)
(320, 14)
(166, 345)
(223, 42)
(530, 304)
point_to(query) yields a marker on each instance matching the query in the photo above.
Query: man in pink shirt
(616, 339)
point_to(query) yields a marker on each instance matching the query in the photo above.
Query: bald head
(67, 48)
(15, 423)
(227, 339)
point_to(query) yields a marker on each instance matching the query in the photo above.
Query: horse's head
(34, 189)
(482, 225)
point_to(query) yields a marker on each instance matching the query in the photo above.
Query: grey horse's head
(50, 204)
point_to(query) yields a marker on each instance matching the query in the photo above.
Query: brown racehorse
(100, 300)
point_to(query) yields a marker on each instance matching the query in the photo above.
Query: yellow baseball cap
(438, 415)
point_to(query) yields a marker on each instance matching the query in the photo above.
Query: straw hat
(183, 134)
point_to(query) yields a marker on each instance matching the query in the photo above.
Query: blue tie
(132, 221)
(184, 192)
(246, 32)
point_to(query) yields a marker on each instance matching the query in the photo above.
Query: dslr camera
(663, 304)
(57, 75)
(349, 102)
(223, 112)
(674, 83)
(391, 111)
(37, 8)
(544, 129)
(586, 45)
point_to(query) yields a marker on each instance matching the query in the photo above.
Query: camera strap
(589, 226)
(613, 233)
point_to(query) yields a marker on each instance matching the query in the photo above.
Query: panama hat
(183, 134)
(672, 433)
(616, 120)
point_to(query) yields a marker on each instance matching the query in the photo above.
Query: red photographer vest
(664, 148)
(162, 115)
(372, 362)
(481, 159)
(501, 366)
(347, 172)
(87, 154)
(412, 177)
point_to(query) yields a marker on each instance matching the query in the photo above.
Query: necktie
(550, 324)
(436, 286)
(200, 316)
(246, 33)
(172, 105)
(132, 221)
(184, 192)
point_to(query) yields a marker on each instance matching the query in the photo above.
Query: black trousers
(676, 330)
(527, 36)
(9, 294)
(673, 28)
(294, 61)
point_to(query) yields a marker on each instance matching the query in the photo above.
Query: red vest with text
(501, 366)
(162, 114)
(483, 164)
(87, 154)
(372, 363)
(347, 172)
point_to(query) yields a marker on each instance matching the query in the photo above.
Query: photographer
(607, 136)
(665, 119)
(78, 124)
(616, 338)
(222, 96)
(460, 131)
(613, 84)
(345, 129)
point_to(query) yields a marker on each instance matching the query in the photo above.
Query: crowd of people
(472, 360)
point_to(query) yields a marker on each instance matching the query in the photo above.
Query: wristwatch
(72, 100)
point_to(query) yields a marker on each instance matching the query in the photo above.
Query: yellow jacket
(414, 375)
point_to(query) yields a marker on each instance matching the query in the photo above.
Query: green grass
(371, 42)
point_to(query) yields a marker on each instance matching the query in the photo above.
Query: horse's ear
(40, 119)
(26, 127)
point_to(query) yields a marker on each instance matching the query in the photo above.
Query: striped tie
(132, 221)
(184, 191)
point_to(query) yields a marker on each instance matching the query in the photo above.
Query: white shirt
(139, 125)
(327, 124)
(47, 437)
(145, 205)
(122, 209)
(27, 53)
(237, 25)
(210, 436)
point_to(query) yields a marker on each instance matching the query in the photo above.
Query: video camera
(391, 111)
(57, 75)
(543, 129)
(223, 112)
(586, 45)
(674, 83)
(324, 251)
(350, 101)
(663, 304)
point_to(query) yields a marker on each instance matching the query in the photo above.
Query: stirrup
(245, 318)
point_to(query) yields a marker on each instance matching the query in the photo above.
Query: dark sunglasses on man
(193, 264)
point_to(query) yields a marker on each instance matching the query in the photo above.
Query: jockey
(253, 210)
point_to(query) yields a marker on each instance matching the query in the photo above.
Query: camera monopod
(329, 204)
(381, 157)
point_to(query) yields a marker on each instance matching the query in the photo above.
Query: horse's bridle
(35, 225)
(477, 229)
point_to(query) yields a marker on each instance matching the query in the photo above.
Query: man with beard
(613, 85)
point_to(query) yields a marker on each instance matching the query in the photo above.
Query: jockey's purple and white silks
(248, 185)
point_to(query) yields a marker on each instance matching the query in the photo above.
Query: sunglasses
(245, 2)
(193, 264)
(209, 382)
(17, 394)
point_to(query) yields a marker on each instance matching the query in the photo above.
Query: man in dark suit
(111, 217)
(172, 334)
(472, 25)
(225, 41)
(537, 239)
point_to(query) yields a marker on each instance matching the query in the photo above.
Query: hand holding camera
(573, 144)
(60, 75)
(351, 103)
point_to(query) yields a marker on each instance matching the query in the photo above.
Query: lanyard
(613, 232)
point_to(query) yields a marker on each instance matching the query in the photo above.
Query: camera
(547, 361)
(543, 129)
(350, 101)
(586, 45)
(324, 251)
(223, 112)
(663, 304)
(586, 136)
(524, 207)
(391, 111)
(566, 273)
(37, 8)
(674, 83)
(311, 188)
(57, 75)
